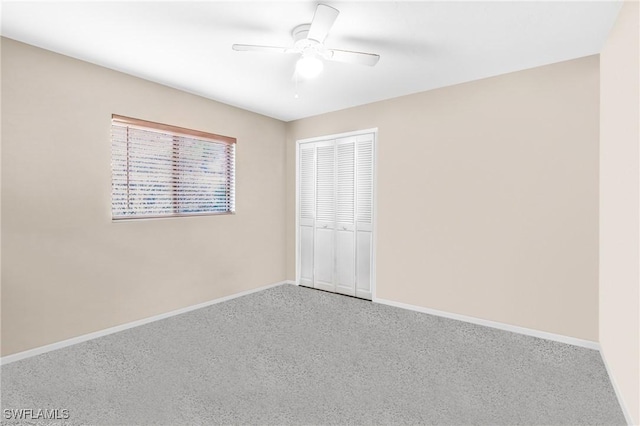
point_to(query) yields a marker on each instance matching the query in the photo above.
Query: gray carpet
(291, 355)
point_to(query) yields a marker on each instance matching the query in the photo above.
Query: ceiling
(423, 45)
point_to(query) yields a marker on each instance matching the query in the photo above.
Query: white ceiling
(423, 45)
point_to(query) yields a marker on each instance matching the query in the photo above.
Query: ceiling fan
(308, 41)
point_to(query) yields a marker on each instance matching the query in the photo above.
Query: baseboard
(85, 337)
(494, 324)
(623, 406)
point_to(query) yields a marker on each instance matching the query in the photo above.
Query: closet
(335, 206)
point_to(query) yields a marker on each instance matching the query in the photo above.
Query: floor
(291, 355)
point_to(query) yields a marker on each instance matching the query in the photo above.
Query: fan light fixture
(309, 66)
(308, 41)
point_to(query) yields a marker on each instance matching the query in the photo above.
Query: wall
(67, 269)
(0, 197)
(619, 206)
(487, 196)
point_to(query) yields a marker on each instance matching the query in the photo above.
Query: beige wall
(487, 196)
(67, 269)
(487, 200)
(0, 198)
(619, 206)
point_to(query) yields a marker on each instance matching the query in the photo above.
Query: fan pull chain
(296, 78)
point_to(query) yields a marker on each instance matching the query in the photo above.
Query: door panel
(325, 185)
(324, 259)
(345, 263)
(345, 185)
(306, 212)
(306, 256)
(363, 285)
(345, 215)
(364, 192)
(306, 185)
(325, 216)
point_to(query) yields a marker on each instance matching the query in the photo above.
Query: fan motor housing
(300, 32)
(304, 44)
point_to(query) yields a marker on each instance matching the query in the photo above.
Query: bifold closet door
(335, 219)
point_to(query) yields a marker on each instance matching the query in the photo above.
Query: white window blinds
(160, 170)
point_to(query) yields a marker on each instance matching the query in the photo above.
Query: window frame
(175, 132)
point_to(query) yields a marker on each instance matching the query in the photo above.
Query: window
(160, 170)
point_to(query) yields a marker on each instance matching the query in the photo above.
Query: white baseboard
(90, 336)
(494, 324)
(623, 406)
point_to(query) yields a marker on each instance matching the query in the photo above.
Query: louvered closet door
(307, 212)
(345, 216)
(324, 254)
(335, 219)
(364, 215)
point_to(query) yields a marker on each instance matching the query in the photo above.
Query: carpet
(292, 355)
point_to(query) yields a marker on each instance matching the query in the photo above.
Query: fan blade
(254, 48)
(322, 22)
(349, 57)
